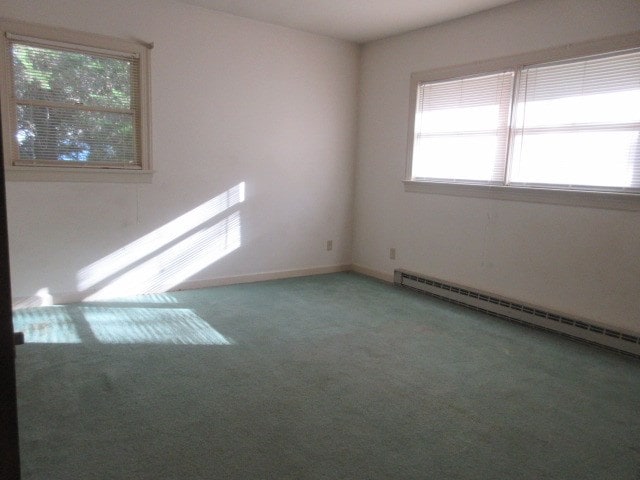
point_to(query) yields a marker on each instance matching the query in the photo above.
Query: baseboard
(48, 299)
(386, 277)
(582, 329)
(261, 277)
(78, 297)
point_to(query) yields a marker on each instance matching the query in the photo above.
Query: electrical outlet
(392, 253)
(329, 245)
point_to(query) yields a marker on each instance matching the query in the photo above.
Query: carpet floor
(326, 377)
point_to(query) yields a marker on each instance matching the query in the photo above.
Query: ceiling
(353, 20)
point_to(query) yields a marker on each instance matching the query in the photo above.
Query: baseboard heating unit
(623, 342)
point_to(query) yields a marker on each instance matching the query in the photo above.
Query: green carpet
(327, 377)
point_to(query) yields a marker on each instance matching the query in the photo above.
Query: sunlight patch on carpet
(46, 325)
(116, 325)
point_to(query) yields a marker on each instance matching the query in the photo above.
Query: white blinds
(577, 124)
(74, 107)
(461, 129)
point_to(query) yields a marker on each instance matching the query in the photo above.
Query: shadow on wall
(151, 265)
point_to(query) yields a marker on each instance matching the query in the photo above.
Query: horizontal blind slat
(578, 124)
(74, 107)
(462, 128)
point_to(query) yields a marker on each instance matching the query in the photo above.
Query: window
(577, 124)
(563, 125)
(73, 103)
(462, 129)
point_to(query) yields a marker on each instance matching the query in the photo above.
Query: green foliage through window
(74, 106)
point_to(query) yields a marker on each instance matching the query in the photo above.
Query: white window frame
(82, 42)
(551, 195)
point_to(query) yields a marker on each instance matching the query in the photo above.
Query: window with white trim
(73, 102)
(461, 129)
(569, 124)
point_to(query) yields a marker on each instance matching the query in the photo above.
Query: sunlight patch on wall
(158, 239)
(41, 298)
(177, 263)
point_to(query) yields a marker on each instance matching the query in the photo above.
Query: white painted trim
(73, 37)
(617, 200)
(52, 174)
(78, 297)
(18, 303)
(385, 277)
(574, 198)
(87, 42)
(550, 55)
(537, 315)
(260, 277)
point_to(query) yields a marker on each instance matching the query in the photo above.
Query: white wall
(233, 101)
(583, 262)
(240, 101)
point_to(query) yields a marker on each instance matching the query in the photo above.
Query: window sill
(90, 175)
(603, 200)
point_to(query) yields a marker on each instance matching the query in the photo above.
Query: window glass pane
(461, 129)
(578, 159)
(601, 108)
(71, 77)
(460, 157)
(53, 134)
(74, 107)
(577, 124)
